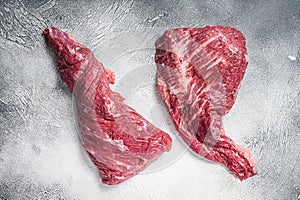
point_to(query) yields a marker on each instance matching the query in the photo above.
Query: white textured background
(40, 154)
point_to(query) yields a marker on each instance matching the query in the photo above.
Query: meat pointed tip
(53, 36)
(52, 32)
(66, 46)
(70, 53)
(57, 39)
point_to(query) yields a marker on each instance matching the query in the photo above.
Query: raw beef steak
(118, 140)
(199, 71)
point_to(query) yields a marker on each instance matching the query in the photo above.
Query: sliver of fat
(119, 143)
(246, 57)
(72, 51)
(196, 115)
(210, 40)
(179, 47)
(80, 56)
(201, 47)
(187, 41)
(91, 151)
(211, 62)
(144, 126)
(144, 159)
(122, 164)
(214, 63)
(184, 82)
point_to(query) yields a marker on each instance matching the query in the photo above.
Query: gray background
(40, 154)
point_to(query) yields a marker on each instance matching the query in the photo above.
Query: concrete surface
(40, 153)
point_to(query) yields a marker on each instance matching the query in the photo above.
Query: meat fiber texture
(118, 140)
(199, 71)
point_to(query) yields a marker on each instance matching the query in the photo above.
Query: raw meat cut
(199, 71)
(118, 140)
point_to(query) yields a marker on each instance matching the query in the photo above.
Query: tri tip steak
(199, 71)
(118, 140)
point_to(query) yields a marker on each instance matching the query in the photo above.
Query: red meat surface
(118, 140)
(199, 71)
